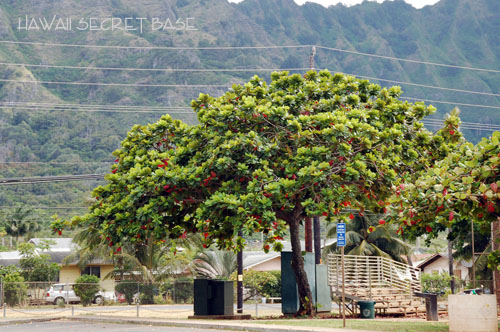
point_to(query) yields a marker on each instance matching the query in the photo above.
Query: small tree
(35, 266)
(15, 291)
(147, 293)
(128, 289)
(264, 283)
(86, 287)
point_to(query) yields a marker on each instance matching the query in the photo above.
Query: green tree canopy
(262, 157)
(461, 188)
(35, 265)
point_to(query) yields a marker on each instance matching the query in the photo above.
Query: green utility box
(367, 309)
(213, 297)
(323, 293)
(317, 277)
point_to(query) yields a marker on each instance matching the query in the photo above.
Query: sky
(326, 3)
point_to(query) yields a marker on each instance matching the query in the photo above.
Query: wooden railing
(364, 274)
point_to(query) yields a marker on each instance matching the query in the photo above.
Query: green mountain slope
(462, 32)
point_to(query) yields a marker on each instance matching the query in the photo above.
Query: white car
(64, 293)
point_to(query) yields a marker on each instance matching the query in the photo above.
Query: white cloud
(326, 3)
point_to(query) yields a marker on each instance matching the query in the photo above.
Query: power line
(180, 112)
(432, 122)
(152, 69)
(98, 105)
(215, 48)
(55, 163)
(242, 70)
(407, 60)
(44, 207)
(50, 179)
(96, 108)
(165, 48)
(450, 102)
(92, 110)
(464, 127)
(485, 125)
(429, 86)
(147, 85)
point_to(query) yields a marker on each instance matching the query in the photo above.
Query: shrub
(148, 292)
(128, 289)
(86, 288)
(438, 283)
(15, 290)
(264, 283)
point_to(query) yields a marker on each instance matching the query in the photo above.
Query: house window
(92, 271)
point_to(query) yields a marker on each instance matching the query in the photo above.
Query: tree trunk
(305, 295)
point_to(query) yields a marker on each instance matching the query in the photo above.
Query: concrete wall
(472, 313)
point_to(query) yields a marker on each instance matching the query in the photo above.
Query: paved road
(69, 326)
(166, 307)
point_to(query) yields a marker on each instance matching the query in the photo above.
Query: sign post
(341, 244)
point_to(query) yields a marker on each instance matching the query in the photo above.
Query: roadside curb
(27, 320)
(207, 325)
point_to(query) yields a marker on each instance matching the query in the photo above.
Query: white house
(438, 263)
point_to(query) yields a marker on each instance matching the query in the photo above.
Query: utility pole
(317, 240)
(473, 256)
(308, 234)
(317, 230)
(450, 265)
(239, 282)
(311, 58)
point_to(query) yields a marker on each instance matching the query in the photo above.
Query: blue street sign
(341, 234)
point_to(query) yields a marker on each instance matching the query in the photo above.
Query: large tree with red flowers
(262, 158)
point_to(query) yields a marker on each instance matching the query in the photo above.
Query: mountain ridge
(461, 32)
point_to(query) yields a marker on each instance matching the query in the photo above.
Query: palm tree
(365, 236)
(146, 262)
(90, 248)
(218, 264)
(20, 223)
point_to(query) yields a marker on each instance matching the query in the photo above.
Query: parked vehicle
(64, 293)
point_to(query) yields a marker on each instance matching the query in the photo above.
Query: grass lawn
(363, 324)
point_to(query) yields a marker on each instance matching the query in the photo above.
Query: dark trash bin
(367, 309)
(213, 297)
(431, 309)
